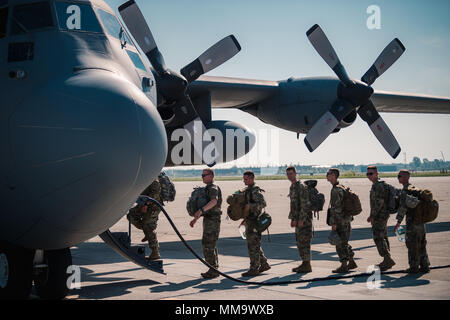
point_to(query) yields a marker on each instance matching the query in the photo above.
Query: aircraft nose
(84, 149)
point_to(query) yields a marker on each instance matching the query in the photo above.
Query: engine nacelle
(224, 141)
(299, 104)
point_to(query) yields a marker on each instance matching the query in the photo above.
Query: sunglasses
(370, 173)
(204, 175)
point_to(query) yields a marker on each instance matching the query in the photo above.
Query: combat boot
(305, 267)
(412, 270)
(424, 269)
(154, 255)
(251, 272)
(210, 274)
(342, 269)
(352, 264)
(386, 264)
(264, 267)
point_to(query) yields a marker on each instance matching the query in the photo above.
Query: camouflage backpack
(236, 206)
(391, 198)
(197, 200)
(352, 204)
(167, 187)
(316, 199)
(427, 209)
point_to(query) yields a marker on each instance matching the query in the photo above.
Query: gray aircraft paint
(81, 136)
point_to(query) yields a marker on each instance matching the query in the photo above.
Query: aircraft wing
(386, 101)
(233, 92)
(238, 93)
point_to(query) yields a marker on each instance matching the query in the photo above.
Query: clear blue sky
(275, 47)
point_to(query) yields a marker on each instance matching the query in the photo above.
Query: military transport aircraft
(86, 122)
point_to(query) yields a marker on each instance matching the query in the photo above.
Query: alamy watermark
(197, 145)
(74, 279)
(374, 280)
(374, 20)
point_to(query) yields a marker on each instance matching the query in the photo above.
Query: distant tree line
(415, 165)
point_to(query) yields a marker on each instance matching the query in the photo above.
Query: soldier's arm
(377, 200)
(258, 204)
(213, 194)
(336, 204)
(402, 208)
(304, 204)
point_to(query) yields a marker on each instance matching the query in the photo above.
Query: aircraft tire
(16, 268)
(53, 284)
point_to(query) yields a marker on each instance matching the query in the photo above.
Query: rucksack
(236, 206)
(167, 187)
(427, 209)
(391, 198)
(263, 222)
(352, 204)
(197, 200)
(316, 199)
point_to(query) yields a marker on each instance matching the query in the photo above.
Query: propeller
(353, 94)
(171, 85)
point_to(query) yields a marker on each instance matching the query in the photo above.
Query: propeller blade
(323, 46)
(136, 24)
(198, 134)
(327, 123)
(385, 60)
(219, 53)
(369, 114)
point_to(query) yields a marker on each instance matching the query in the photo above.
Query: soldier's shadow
(386, 281)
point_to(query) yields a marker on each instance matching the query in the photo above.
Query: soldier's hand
(333, 227)
(396, 227)
(197, 215)
(247, 208)
(300, 224)
(293, 223)
(192, 223)
(144, 209)
(370, 220)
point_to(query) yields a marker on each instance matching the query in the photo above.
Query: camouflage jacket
(254, 197)
(300, 204)
(153, 191)
(378, 201)
(403, 209)
(337, 215)
(213, 192)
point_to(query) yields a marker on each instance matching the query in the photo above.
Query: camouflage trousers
(211, 230)
(147, 223)
(343, 249)
(303, 237)
(416, 243)
(379, 234)
(255, 252)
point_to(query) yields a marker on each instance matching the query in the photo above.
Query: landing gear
(50, 280)
(15, 272)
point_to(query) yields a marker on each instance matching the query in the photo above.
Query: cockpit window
(112, 26)
(31, 17)
(3, 20)
(136, 60)
(77, 17)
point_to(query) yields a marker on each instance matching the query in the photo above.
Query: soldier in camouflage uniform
(211, 213)
(255, 203)
(379, 217)
(146, 218)
(301, 218)
(341, 223)
(415, 233)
